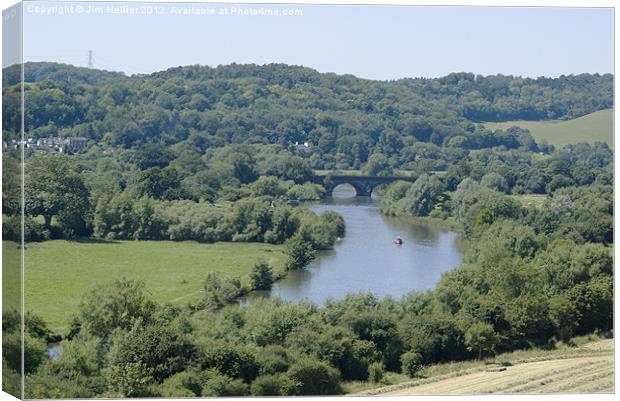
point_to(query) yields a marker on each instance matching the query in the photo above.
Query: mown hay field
(589, 370)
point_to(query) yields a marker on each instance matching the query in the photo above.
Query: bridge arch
(363, 185)
(360, 190)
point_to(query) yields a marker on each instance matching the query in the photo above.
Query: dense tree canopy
(345, 119)
(216, 154)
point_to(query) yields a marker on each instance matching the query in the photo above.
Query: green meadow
(11, 297)
(530, 200)
(593, 127)
(57, 273)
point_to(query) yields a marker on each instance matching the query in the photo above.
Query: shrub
(220, 291)
(235, 361)
(376, 371)
(11, 381)
(411, 363)
(182, 384)
(267, 385)
(273, 359)
(314, 378)
(216, 384)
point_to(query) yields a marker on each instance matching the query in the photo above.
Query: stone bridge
(363, 184)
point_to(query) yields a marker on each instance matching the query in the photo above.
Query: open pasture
(57, 273)
(593, 127)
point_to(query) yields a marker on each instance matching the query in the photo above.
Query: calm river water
(367, 259)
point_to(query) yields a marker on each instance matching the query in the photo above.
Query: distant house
(302, 147)
(75, 144)
(55, 144)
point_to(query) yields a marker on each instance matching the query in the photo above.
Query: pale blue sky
(377, 42)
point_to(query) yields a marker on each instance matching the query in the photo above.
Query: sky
(374, 42)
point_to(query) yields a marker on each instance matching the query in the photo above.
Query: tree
(161, 348)
(235, 361)
(299, 252)
(559, 181)
(494, 181)
(262, 276)
(216, 384)
(381, 330)
(153, 155)
(268, 186)
(244, 166)
(294, 168)
(564, 316)
(336, 345)
(377, 165)
(422, 195)
(159, 183)
(118, 304)
(481, 337)
(33, 351)
(54, 188)
(593, 304)
(484, 218)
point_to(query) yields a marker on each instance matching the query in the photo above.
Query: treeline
(248, 220)
(344, 118)
(149, 197)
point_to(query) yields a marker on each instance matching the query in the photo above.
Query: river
(367, 259)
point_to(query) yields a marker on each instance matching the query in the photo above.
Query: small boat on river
(398, 241)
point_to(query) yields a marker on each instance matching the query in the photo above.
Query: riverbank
(59, 272)
(366, 258)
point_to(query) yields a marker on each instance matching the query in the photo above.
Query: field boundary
(579, 353)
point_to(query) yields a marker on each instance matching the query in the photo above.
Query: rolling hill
(593, 127)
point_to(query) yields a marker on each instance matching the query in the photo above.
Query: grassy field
(597, 126)
(530, 200)
(585, 368)
(11, 280)
(57, 273)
